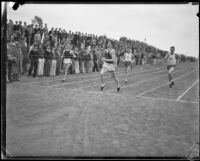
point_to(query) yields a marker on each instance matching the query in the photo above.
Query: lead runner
(109, 61)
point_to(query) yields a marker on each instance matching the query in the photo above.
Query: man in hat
(109, 61)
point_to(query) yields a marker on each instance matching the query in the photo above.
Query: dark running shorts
(127, 63)
(170, 66)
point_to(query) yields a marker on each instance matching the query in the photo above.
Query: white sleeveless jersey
(171, 59)
(128, 57)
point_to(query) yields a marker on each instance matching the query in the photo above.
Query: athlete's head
(172, 49)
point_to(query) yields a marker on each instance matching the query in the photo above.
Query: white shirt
(128, 57)
(171, 59)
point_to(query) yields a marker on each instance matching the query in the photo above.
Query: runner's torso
(171, 60)
(127, 57)
(67, 54)
(108, 55)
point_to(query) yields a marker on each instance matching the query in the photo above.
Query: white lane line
(164, 84)
(76, 76)
(56, 85)
(171, 100)
(89, 75)
(145, 80)
(121, 81)
(179, 97)
(114, 94)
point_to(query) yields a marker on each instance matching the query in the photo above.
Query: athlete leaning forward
(109, 64)
(170, 59)
(128, 60)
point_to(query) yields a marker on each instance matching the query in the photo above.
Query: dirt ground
(45, 117)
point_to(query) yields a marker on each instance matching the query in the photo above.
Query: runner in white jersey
(109, 60)
(170, 59)
(127, 59)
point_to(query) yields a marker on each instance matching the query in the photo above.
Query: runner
(171, 62)
(127, 59)
(68, 56)
(109, 59)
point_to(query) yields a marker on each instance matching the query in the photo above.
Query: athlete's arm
(166, 56)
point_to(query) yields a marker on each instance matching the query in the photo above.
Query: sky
(162, 25)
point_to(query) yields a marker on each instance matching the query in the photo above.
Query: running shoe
(172, 83)
(102, 87)
(118, 89)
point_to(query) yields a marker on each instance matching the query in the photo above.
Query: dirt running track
(146, 118)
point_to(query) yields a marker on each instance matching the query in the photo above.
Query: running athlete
(109, 59)
(127, 59)
(170, 59)
(68, 55)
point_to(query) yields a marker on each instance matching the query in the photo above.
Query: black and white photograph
(100, 80)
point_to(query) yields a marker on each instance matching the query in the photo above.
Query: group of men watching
(36, 50)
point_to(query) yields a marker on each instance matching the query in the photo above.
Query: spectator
(91, 50)
(58, 60)
(53, 63)
(45, 29)
(34, 61)
(40, 61)
(20, 29)
(47, 63)
(87, 59)
(10, 29)
(25, 55)
(81, 60)
(37, 38)
(76, 60)
(95, 61)
(14, 62)
(16, 26)
(72, 67)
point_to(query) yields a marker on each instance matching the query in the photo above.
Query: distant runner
(170, 59)
(128, 60)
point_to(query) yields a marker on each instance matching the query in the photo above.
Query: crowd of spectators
(38, 51)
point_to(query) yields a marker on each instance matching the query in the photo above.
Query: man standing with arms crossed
(170, 59)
